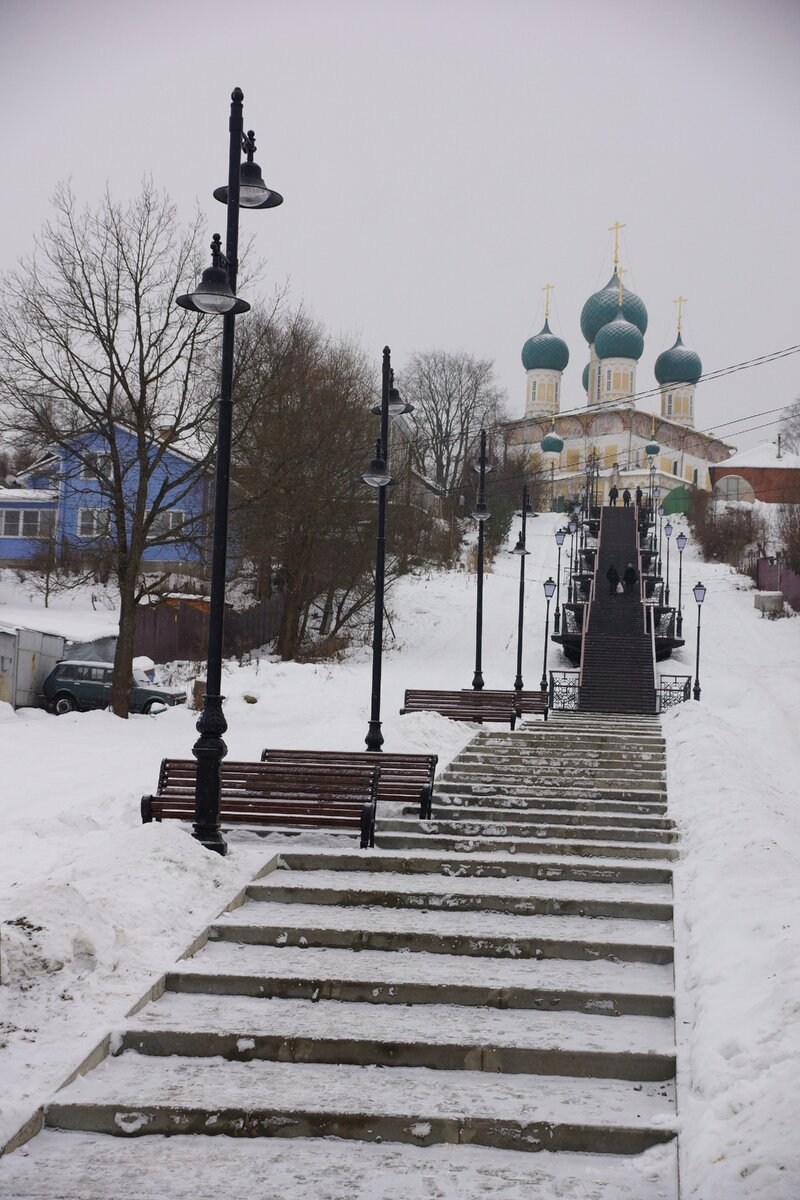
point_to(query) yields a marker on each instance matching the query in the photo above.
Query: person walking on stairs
(612, 495)
(626, 498)
(639, 497)
(612, 575)
(630, 577)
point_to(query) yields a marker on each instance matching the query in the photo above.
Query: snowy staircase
(497, 979)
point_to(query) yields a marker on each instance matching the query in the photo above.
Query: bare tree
(790, 427)
(454, 397)
(304, 435)
(96, 357)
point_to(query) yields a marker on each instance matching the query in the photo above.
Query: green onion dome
(600, 308)
(545, 352)
(652, 449)
(620, 338)
(585, 378)
(551, 443)
(678, 364)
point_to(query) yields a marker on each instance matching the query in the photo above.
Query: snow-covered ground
(94, 905)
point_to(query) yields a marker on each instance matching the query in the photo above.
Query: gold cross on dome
(621, 271)
(681, 300)
(547, 289)
(615, 228)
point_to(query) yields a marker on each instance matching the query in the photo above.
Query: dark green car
(79, 686)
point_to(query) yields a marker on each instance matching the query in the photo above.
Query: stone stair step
(534, 804)
(522, 898)
(600, 986)
(477, 934)
(136, 1094)
(60, 1165)
(426, 861)
(555, 791)
(465, 843)
(553, 816)
(473, 825)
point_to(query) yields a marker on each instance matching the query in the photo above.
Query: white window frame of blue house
(95, 466)
(166, 522)
(100, 522)
(26, 526)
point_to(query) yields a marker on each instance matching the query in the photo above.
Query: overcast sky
(442, 160)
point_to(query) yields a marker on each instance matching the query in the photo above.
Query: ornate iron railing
(565, 692)
(672, 690)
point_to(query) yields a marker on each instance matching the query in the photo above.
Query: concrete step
(471, 825)
(597, 815)
(439, 1037)
(586, 760)
(598, 986)
(520, 897)
(488, 866)
(535, 804)
(479, 934)
(537, 790)
(136, 1094)
(60, 1165)
(466, 843)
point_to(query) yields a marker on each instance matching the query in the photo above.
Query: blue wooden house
(63, 503)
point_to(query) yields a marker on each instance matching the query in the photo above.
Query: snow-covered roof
(763, 455)
(27, 495)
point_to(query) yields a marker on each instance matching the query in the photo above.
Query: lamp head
(560, 536)
(520, 547)
(680, 541)
(376, 474)
(481, 512)
(549, 588)
(213, 294)
(572, 526)
(668, 531)
(253, 192)
(699, 593)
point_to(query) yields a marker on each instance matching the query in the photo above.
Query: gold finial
(547, 289)
(653, 428)
(615, 228)
(681, 300)
(621, 271)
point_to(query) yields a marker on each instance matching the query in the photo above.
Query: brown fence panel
(178, 629)
(774, 577)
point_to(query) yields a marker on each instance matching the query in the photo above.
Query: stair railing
(587, 611)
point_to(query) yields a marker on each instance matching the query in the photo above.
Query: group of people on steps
(630, 578)
(613, 496)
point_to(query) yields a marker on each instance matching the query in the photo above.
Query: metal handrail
(668, 694)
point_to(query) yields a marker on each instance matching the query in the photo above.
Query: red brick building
(764, 473)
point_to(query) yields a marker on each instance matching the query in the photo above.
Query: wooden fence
(774, 577)
(178, 628)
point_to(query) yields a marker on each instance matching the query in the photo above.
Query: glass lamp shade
(668, 530)
(212, 295)
(397, 405)
(376, 474)
(520, 547)
(680, 542)
(657, 490)
(487, 467)
(481, 512)
(572, 527)
(253, 192)
(549, 588)
(560, 536)
(661, 510)
(699, 593)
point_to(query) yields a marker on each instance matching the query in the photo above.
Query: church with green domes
(605, 434)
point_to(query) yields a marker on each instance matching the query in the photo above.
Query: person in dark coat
(612, 575)
(630, 577)
(612, 495)
(626, 498)
(638, 497)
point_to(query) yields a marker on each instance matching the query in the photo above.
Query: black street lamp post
(667, 535)
(572, 527)
(480, 514)
(680, 541)
(377, 476)
(699, 595)
(660, 531)
(216, 294)
(522, 552)
(560, 535)
(549, 589)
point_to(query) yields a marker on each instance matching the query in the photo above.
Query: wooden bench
(274, 795)
(462, 706)
(407, 778)
(527, 703)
